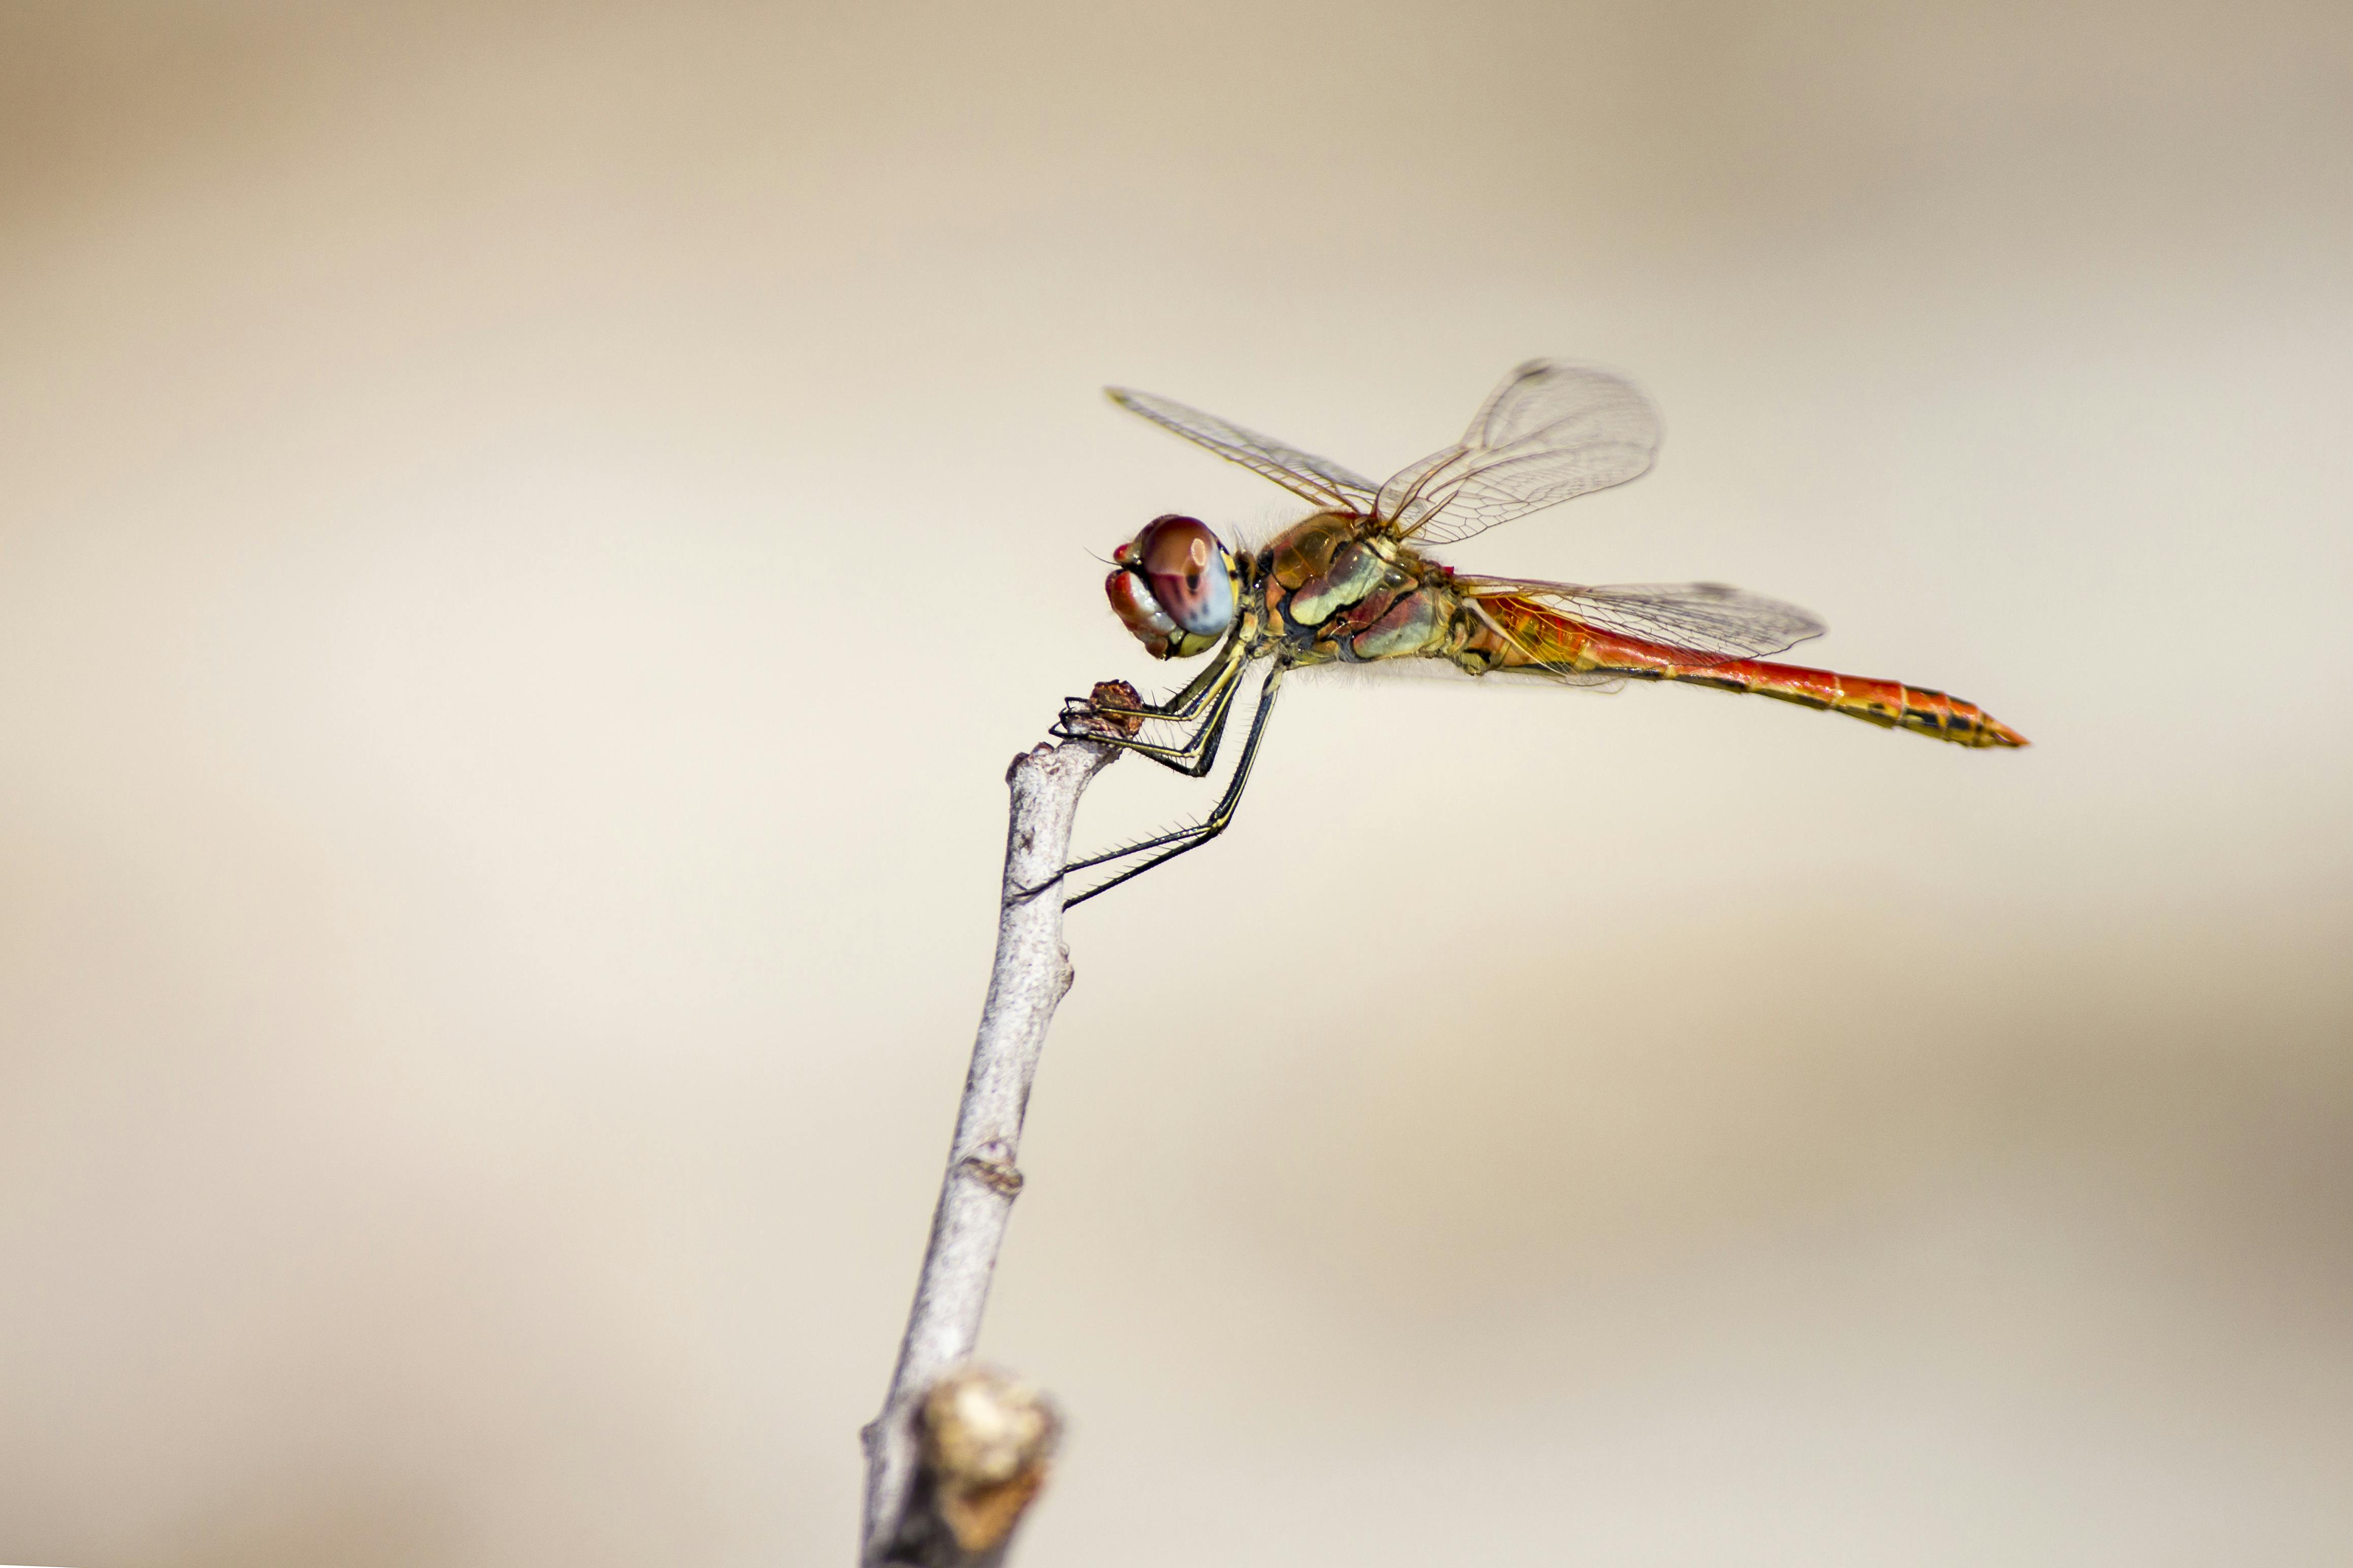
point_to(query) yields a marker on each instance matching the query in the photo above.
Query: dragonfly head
(1175, 586)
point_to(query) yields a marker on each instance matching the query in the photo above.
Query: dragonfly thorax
(1174, 587)
(1340, 588)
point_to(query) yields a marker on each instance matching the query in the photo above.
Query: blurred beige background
(529, 533)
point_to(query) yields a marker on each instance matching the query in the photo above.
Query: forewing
(1549, 432)
(1709, 622)
(1320, 479)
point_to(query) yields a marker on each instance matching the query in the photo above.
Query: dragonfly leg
(1176, 842)
(1201, 689)
(1198, 752)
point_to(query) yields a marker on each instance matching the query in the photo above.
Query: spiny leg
(1174, 843)
(1198, 752)
(1180, 707)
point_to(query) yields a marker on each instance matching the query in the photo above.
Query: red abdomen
(1538, 639)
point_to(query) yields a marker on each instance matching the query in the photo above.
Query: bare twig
(1032, 972)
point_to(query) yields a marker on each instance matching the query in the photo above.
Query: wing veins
(1712, 622)
(1320, 480)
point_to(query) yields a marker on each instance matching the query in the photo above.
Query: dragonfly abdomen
(1890, 704)
(1535, 640)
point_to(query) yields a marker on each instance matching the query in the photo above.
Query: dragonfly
(1353, 584)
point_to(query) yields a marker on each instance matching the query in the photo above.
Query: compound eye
(1185, 567)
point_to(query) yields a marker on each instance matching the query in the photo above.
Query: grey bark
(1031, 975)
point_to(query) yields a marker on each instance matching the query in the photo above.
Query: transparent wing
(1549, 432)
(1320, 479)
(1710, 622)
(1390, 671)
